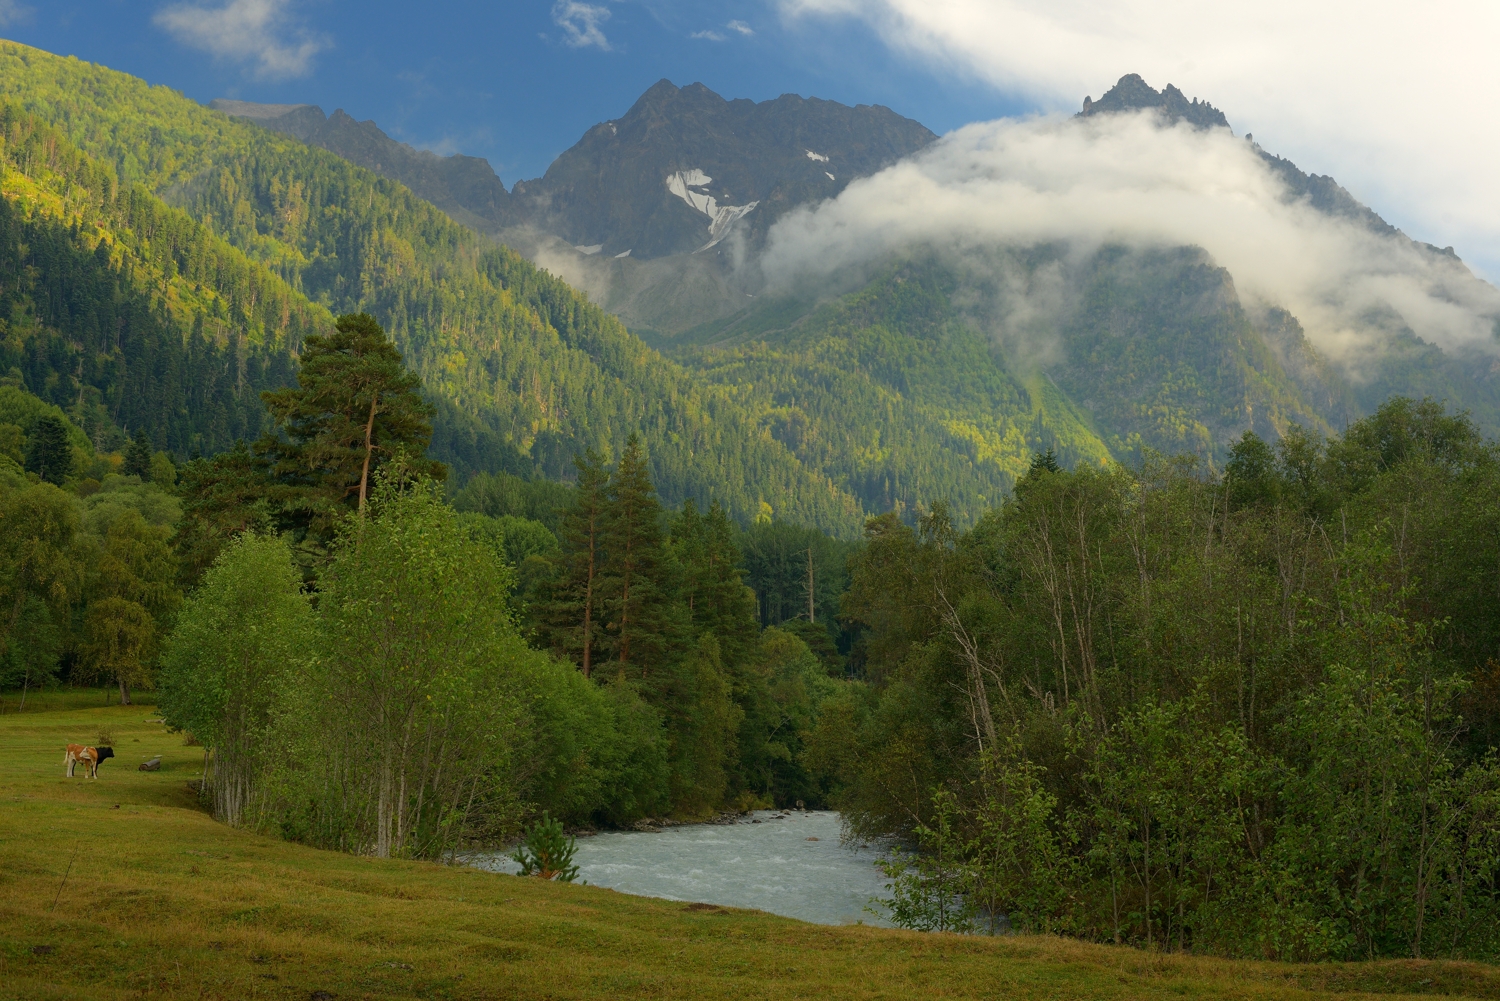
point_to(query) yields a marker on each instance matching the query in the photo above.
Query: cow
(92, 758)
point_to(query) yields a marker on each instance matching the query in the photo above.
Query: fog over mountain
(1137, 178)
(1142, 276)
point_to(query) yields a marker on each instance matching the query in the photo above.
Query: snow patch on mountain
(590, 251)
(817, 157)
(720, 217)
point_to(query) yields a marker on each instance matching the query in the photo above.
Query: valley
(1097, 513)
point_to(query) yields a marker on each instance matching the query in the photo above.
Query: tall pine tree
(49, 453)
(636, 588)
(354, 408)
(138, 456)
(712, 580)
(568, 615)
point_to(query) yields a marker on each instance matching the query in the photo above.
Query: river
(788, 863)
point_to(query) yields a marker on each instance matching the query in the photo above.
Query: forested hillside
(128, 313)
(524, 372)
(898, 395)
(917, 388)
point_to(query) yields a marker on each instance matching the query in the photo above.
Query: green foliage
(130, 313)
(545, 853)
(928, 887)
(133, 598)
(41, 575)
(894, 395)
(499, 495)
(243, 638)
(1250, 716)
(524, 371)
(416, 672)
(636, 585)
(49, 454)
(671, 623)
(355, 408)
(138, 456)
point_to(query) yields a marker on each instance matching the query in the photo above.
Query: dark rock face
(1133, 93)
(680, 171)
(684, 167)
(465, 187)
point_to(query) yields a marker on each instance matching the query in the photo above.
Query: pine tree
(569, 612)
(1045, 462)
(49, 453)
(635, 589)
(712, 580)
(138, 456)
(222, 496)
(354, 408)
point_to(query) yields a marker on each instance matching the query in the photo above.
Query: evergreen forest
(321, 468)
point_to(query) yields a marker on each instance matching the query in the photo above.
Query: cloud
(1385, 95)
(259, 32)
(710, 35)
(1123, 179)
(580, 23)
(12, 12)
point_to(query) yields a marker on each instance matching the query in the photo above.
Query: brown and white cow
(91, 757)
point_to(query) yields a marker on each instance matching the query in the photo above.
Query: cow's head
(104, 752)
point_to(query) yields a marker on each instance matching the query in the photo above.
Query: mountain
(1132, 93)
(652, 213)
(1144, 348)
(914, 377)
(465, 187)
(676, 174)
(524, 371)
(684, 168)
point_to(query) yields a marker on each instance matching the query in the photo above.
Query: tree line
(313, 590)
(1251, 714)
(1248, 712)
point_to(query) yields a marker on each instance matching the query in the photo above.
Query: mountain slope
(127, 313)
(465, 187)
(537, 372)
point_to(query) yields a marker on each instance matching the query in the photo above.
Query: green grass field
(162, 902)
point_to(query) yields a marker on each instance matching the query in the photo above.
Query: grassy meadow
(124, 888)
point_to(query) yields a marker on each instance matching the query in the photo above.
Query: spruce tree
(635, 589)
(568, 615)
(138, 456)
(49, 454)
(712, 580)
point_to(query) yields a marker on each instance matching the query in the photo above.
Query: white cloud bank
(1124, 179)
(1392, 98)
(258, 32)
(581, 23)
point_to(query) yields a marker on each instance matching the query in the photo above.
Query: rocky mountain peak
(1133, 93)
(684, 168)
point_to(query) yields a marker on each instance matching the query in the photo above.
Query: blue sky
(516, 81)
(1390, 97)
